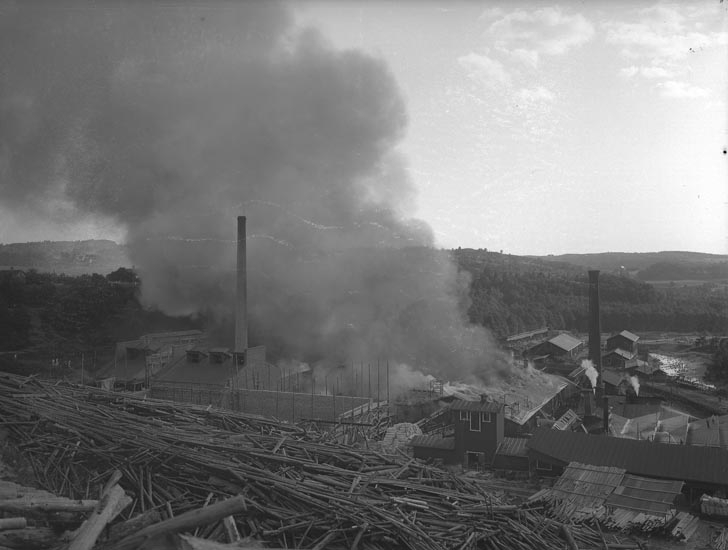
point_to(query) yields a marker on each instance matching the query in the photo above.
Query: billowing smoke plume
(172, 119)
(591, 373)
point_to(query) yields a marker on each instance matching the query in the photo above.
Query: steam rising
(591, 373)
(170, 120)
(635, 384)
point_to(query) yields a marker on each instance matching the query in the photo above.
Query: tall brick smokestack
(595, 343)
(241, 298)
(595, 324)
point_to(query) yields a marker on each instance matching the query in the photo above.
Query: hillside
(54, 313)
(652, 266)
(511, 294)
(69, 257)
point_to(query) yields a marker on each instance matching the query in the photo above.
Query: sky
(544, 128)
(531, 127)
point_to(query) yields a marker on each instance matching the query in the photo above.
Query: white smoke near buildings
(635, 384)
(172, 119)
(591, 373)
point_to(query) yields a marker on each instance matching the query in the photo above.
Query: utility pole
(82, 369)
(387, 382)
(377, 381)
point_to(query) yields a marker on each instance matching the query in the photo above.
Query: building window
(475, 423)
(486, 417)
(465, 415)
(544, 466)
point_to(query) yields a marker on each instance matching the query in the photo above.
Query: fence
(290, 406)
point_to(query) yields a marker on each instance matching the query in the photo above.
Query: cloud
(676, 89)
(539, 93)
(655, 72)
(659, 39)
(662, 34)
(485, 69)
(546, 31)
(651, 72)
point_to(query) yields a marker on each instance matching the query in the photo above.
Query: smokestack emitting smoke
(241, 295)
(595, 328)
(169, 119)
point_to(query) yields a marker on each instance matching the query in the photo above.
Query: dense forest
(60, 314)
(511, 294)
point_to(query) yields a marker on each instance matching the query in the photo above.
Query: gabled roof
(433, 442)
(481, 406)
(565, 342)
(688, 463)
(627, 334)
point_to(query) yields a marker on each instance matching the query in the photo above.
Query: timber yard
(176, 443)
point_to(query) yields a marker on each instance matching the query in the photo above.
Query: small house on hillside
(624, 340)
(563, 346)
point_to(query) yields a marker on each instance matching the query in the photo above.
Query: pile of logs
(225, 476)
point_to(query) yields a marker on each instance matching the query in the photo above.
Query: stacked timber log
(222, 476)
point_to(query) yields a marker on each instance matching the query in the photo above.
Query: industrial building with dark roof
(695, 465)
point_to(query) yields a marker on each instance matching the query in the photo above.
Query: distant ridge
(635, 262)
(70, 257)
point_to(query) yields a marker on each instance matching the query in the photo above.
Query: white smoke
(635, 384)
(590, 372)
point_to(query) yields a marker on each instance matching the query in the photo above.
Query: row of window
(475, 418)
(484, 416)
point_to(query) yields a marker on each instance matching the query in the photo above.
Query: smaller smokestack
(587, 395)
(241, 298)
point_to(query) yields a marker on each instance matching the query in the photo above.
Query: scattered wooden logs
(188, 468)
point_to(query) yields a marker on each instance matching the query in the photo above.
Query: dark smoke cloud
(172, 120)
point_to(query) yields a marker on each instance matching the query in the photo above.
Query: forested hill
(511, 294)
(652, 266)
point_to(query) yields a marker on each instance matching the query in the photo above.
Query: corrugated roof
(487, 406)
(433, 442)
(677, 462)
(565, 342)
(641, 494)
(513, 446)
(583, 490)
